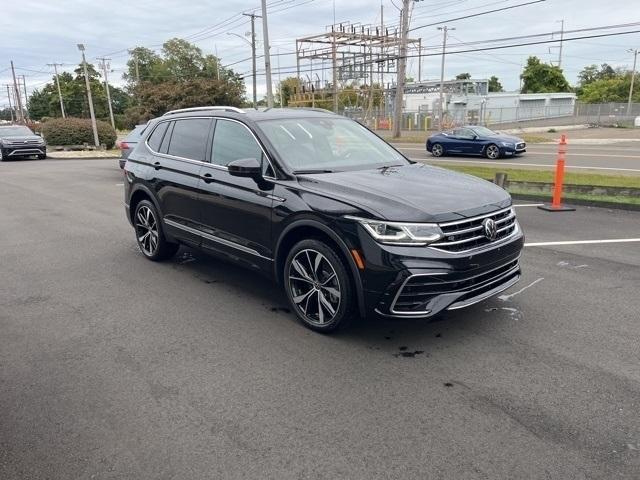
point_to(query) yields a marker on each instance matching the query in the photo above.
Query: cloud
(111, 26)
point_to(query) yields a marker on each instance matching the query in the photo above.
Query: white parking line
(582, 242)
(499, 163)
(528, 205)
(119, 184)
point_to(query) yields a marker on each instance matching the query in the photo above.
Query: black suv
(341, 219)
(19, 141)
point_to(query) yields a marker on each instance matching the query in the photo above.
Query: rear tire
(318, 286)
(149, 235)
(437, 150)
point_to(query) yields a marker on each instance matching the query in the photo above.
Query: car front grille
(19, 143)
(418, 290)
(468, 234)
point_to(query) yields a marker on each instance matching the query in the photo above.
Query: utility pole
(9, 98)
(26, 105)
(267, 56)
(444, 29)
(334, 60)
(105, 67)
(633, 76)
(253, 55)
(561, 42)
(402, 68)
(88, 85)
(55, 69)
(19, 112)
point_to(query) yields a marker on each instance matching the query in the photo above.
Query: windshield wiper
(312, 170)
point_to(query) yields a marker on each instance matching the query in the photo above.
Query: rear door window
(155, 139)
(189, 138)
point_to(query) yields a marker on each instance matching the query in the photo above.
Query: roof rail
(201, 109)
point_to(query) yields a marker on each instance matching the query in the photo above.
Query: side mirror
(245, 167)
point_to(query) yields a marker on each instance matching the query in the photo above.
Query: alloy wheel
(314, 285)
(437, 150)
(147, 230)
(493, 152)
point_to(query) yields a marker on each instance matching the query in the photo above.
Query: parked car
(341, 219)
(475, 140)
(129, 142)
(18, 141)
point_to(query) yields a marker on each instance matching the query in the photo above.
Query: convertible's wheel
(437, 150)
(492, 151)
(318, 286)
(149, 235)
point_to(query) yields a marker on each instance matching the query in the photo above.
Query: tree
(44, 102)
(539, 77)
(463, 76)
(495, 85)
(591, 73)
(612, 89)
(287, 88)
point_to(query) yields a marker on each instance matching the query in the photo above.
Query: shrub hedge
(76, 131)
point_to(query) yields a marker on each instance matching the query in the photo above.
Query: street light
(86, 81)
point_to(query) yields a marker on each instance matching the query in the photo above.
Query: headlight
(395, 233)
(507, 144)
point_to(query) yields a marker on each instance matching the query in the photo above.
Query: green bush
(76, 131)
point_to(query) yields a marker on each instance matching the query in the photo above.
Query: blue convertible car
(473, 140)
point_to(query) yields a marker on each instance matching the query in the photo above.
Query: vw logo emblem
(489, 229)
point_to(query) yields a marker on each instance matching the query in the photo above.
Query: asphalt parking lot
(116, 367)
(619, 158)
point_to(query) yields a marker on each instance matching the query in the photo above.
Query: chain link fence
(594, 114)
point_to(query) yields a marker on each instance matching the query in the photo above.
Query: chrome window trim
(200, 162)
(216, 239)
(426, 312)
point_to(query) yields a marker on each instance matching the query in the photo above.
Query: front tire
(318, 286)
(1, 155)
(149, 234)
(42, 156)
(437, 150)
(492, 151)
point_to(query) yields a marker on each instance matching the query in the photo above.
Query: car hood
(412, 193)
(20, 139)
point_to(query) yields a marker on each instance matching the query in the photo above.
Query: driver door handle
(207, 178)
(157, 165)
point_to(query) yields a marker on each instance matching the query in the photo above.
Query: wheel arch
(139, 193)
(309, 228)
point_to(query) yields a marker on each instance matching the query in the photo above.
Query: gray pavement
(114, 367)
(622, 158)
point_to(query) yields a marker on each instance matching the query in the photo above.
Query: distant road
(623, 158)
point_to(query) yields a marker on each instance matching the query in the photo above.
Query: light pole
(633, 76)
(91, 112)
(252, 44)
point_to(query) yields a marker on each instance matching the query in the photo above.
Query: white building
(468, 101)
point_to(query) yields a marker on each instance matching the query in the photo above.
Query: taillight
(124, 145)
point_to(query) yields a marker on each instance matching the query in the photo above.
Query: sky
(110, 27)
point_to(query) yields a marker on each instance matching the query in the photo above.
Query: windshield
(14, 131)
(328, 144)
(484, 132)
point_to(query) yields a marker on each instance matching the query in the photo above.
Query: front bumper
(10, 151)
(420, 282)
